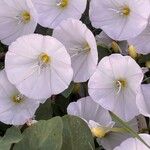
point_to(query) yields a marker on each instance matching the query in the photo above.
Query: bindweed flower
(141, 42)
(88, 110)
(120, 19)
(15, 108)
(143, 100)
(81, 45)
(116, 135)
(52, 12)
(39, 66)
(134, 143)
(17, 18)
(99, 121)
(114, 85)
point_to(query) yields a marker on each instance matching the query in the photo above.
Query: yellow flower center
(18, 98)
(122, 83)
(98, 132)
(126, 11)
(86, 47)
(44, 58)
(63, 3)
(26, 17)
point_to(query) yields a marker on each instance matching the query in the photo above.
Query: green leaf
(13, 135)
(102, 52)
(68, 91)
(126, 127)
(60, 105)
(3, 128)
(44, 135)
(76, 134)
(44, 112)
(144, 58)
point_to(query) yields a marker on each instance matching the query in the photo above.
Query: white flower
(99, 121)
(88, 110)
(81, 45)
(114, 85)
(134, 143)
(115, 135)
(39, 66)
(17, 18)
(143, 100)
(111, 135)
(15, 108)
(141, 42)
(120, 19)
(52, 12)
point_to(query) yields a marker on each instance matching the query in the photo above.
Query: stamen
(120, 85)
(44, 59)
(25, 16)
(86, 47)
(80, 50)
(114, 10)
(122, 82)
(126, 11)
(63, 3)
(18, 98)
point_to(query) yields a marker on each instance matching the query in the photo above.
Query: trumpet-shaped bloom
(17, 18)
(39, 66)
(143, 100)
(141, 42)
(88, 110)
(81, 45)
(114, 85)
(100, 122)
(52, 12)
(120, 19)
(134, 143)
(15, 108)
(115, 135)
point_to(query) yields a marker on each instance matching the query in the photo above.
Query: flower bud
(147, 64)
(115, 47)
(132, 52)
(98, 132)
